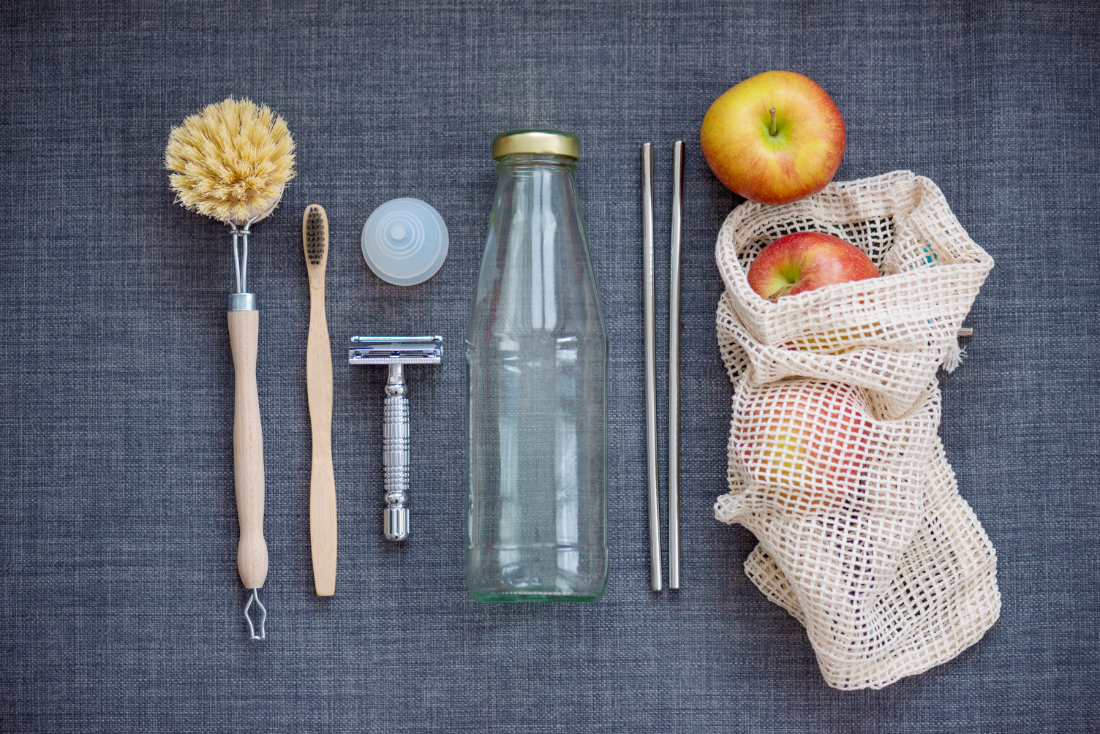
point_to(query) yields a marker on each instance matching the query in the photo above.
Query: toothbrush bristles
(315, 236)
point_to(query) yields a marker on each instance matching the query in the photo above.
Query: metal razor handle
(395, 456)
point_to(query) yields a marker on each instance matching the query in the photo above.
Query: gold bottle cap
(536, 142)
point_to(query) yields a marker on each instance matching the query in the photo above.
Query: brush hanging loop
(255, 597)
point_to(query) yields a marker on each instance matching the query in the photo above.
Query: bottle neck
(516, 162)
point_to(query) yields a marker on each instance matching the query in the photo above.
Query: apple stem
(779, 293)
(774, 129)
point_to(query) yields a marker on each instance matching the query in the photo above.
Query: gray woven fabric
(120, 605)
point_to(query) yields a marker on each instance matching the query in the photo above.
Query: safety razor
(396, 352)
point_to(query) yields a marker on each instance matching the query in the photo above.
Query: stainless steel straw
(674, 370)
(650, 367)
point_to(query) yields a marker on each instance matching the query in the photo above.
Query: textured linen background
(120, 605)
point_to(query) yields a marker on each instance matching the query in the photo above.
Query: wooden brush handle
(322, 491)
(248, 449)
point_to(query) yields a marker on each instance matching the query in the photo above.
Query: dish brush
(231, 162)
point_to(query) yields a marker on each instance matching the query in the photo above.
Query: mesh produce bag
(834, 460)
(889, 335)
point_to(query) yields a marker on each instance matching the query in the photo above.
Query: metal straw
(674, 370)
(650, 367)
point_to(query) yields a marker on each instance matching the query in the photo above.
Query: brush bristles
(315, 236)
(231, 161)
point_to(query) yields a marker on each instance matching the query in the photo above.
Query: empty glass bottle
(536, 377)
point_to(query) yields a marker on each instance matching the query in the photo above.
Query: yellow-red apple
(804, 261)
(807, 443)
(774, 138)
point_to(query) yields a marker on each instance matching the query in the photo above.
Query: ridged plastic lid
(536, 142)
(405, 241)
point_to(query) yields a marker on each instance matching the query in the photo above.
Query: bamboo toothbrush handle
(322, 493)
(248, 450)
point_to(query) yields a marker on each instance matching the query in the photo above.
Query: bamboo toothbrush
(322, 488)
(231, 162)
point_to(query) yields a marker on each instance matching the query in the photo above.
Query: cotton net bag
(835, 464)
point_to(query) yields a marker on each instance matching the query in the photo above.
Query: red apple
(774, 138)
(806, 443)
(803, 261)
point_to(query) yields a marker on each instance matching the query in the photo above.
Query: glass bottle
(536, 379)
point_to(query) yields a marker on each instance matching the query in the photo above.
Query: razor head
(396, 350)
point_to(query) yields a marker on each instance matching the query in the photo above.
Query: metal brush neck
(241, 300)
(240, 252)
